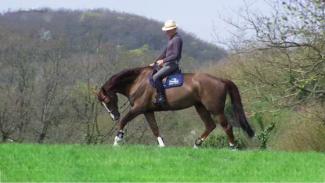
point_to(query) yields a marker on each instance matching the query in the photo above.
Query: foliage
(291, 41)
(265, 135)
(220, 140)
(279, 68)
(265, 107)
(217, 141)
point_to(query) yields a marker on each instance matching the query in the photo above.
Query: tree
(16, 87)
(50, 95)
(292, 40)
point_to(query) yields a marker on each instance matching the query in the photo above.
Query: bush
(221, 141)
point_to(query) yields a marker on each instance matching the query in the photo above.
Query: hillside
(76, 163)
(100, 27)
(51, 62)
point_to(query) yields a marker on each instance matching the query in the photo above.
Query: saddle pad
(174, 80)
(171, 81)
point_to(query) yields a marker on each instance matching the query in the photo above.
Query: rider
(168, 59)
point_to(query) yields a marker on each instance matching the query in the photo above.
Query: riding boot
(160, 97)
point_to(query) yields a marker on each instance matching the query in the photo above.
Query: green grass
(79, 163)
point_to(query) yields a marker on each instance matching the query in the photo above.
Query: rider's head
(170, 28)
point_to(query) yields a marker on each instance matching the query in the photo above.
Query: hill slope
(77, 163)
(102, 27)
(51, 62)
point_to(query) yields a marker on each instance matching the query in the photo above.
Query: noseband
(109, 111)
(105, 96)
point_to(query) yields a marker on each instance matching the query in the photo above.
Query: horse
(203, 91)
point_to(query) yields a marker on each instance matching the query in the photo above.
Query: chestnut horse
(203, 91)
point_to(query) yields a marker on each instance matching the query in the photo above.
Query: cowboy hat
(169, 25)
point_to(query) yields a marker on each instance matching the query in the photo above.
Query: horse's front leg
(150, 117)
(123, 121)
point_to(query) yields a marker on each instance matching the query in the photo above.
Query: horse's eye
(106, 100)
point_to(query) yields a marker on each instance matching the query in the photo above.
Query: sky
(205, 18)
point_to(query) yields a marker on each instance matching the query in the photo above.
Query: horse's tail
(238, 108)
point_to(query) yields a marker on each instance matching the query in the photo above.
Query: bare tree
(292, 39)
(50, 96)
(17, 90)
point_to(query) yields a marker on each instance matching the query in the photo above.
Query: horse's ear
(95, 93)
(98, 94)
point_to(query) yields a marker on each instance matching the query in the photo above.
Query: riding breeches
(166, 70)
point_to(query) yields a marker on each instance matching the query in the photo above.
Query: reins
(123, 105)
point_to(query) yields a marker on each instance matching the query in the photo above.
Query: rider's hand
(160, 62)
(152, 64)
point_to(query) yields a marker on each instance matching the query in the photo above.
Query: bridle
(109, 111)
(105, 96)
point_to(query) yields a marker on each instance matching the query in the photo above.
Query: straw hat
(169, 25)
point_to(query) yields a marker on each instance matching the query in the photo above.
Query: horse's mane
(124, 77)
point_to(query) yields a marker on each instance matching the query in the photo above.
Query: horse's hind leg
(150, 117)
(227, 128)
(208, 121)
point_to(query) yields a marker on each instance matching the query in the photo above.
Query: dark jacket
(173, 51)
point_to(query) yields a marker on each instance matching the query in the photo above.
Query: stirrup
(160, 100)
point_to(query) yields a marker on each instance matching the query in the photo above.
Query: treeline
(52, 62)
(90, 30)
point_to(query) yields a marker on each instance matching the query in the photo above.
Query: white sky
(202, 18)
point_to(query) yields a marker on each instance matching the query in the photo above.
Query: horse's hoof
(198, 142)
(233, 147)
(115, 145)
(117, 141)
(160, 142)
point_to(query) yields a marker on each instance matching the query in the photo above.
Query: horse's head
(109, 101)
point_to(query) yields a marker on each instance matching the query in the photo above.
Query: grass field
(77, 163)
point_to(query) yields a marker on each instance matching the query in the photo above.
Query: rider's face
(170, 33)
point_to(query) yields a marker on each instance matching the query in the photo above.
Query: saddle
(175, 79)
